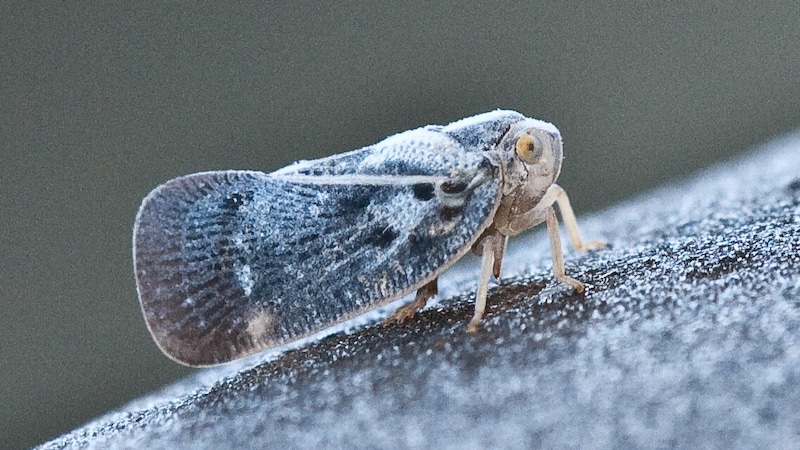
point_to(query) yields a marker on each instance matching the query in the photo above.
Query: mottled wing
(230, 263)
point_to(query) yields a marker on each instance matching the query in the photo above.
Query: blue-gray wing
(233, 262)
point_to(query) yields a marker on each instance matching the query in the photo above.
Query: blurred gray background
(100, 102)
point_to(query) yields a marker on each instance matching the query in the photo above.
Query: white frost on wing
(495, 115)
(409, 211)
(414, 140)
(246, 281)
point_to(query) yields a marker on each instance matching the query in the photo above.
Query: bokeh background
(102, 101)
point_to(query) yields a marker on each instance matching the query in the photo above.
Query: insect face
(536, 156)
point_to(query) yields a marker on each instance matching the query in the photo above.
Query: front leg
(544, 211)
(556, 194)
(558, 255)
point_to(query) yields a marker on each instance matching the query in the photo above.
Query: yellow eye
(529, 148)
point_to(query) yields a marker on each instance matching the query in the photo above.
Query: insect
(230, 263)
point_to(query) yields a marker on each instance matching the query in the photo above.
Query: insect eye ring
(529, 148)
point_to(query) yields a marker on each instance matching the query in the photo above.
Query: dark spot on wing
(453, 186)
(303, 241)
(449, 213)
(423, 191)
(236, 200)
(356, 199)
(416, 244)
(382, 237)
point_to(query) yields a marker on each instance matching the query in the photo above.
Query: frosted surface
(688, 336)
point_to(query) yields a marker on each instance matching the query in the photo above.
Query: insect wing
(230, 263)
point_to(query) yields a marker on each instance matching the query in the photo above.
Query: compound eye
(530, 148)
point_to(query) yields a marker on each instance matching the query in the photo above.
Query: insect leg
(492, 247)
(555, 249)
(559, 196)
(498, 248)
(408, 311)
